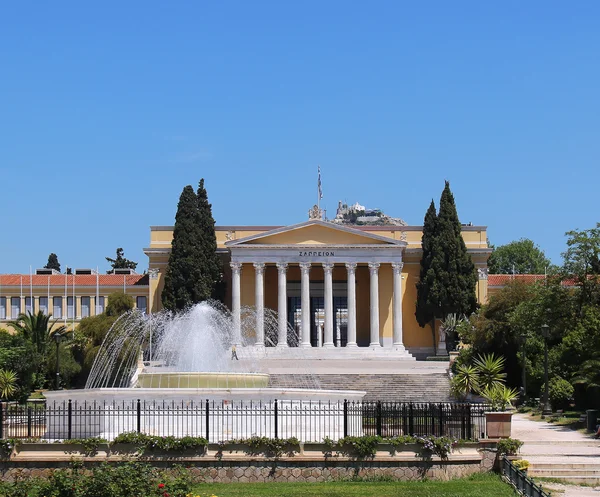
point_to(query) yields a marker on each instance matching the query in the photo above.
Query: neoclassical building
(334, 286)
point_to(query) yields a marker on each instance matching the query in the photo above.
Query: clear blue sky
(109, 110)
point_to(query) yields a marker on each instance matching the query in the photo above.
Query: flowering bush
(438, 446)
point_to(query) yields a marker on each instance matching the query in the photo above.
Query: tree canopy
(194, 268)
(120, 262)
(428, 284)
(53, 262)
(447, 279)
(520, 256)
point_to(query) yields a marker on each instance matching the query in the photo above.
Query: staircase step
(432, 387)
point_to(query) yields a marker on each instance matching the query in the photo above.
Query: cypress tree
(428, 284)
(455, 269)
(212, 270)
(53, 262)
(194, 268)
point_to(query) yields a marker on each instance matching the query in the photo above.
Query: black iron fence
(228, 420)
(524, 485)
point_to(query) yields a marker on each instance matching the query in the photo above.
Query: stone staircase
(573, 462)
(430, 387)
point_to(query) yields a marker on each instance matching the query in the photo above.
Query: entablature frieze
(317, 255)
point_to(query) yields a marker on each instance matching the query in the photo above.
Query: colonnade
(305, 267)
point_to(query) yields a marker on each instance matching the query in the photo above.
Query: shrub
(508, 446)
(521, 464)
(560, 392)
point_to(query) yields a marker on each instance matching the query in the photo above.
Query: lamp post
(523, 337)
(58, 337)
(546, 409)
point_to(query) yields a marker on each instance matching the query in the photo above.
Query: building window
(44, 305)
(15, 307)
(141, 304)
(28, 305)
(2, 307)
(85, 307)
(99, 305)
(70, 307)
(57, 304)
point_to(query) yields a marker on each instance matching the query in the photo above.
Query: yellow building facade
(334, 287)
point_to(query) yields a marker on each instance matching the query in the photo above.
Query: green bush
(508, 446)
(560, 393)
(129, 479)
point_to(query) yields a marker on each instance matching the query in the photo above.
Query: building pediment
(314, 233)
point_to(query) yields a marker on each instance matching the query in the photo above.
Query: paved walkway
(549, 445)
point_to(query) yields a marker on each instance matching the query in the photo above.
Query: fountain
(162, 362)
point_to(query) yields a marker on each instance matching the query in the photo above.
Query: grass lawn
(481, 485)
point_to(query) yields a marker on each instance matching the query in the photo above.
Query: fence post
(378, 414)
(441, 420)
(207, 415)
(70, 420)
(139, 416)
(411, 420)
(469, 425)
(345, 418)
(1, 420)
(29, 422)
(275, 409)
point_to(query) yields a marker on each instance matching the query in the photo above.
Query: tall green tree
(193, 271)
(582, 263)
(520, 256)
(428, 284)
(120, 262)
(53, 262)
(455, 268)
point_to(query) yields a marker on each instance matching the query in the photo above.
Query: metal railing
(519, 479)
(308, 421)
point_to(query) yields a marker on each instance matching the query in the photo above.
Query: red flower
(166, 494)
(161, 485)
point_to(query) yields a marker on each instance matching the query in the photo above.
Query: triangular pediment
(314, 232)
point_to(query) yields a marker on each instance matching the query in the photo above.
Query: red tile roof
(505, 279)
(80, 279)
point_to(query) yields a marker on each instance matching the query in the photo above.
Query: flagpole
(97, 290)
(48, 303)
(21, 297)
(31, 288)
(66, 307)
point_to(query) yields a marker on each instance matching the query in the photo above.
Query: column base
(351, 345)
(330, 345)
(399, 347)
(282, 346)
(305, 345)
(259, 345)
(375, 345)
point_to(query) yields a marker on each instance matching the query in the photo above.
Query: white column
(259, 293)
(374, 271)
(236, 301)
(282, 304)
(397, 309)
(328, 339)
(351, 266)
(305, 303)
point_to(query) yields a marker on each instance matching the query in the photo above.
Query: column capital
(351, 266)
(236, 267)
(153, 272)
(328, 267)
(282, 267)
(482, 273)
(373, 267)
(305, 267)
(397, 267)
(259, 267)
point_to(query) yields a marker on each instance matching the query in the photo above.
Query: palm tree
(37, 328)
(8, 383)
(589, 373)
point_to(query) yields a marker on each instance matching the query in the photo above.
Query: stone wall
(240, 467)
